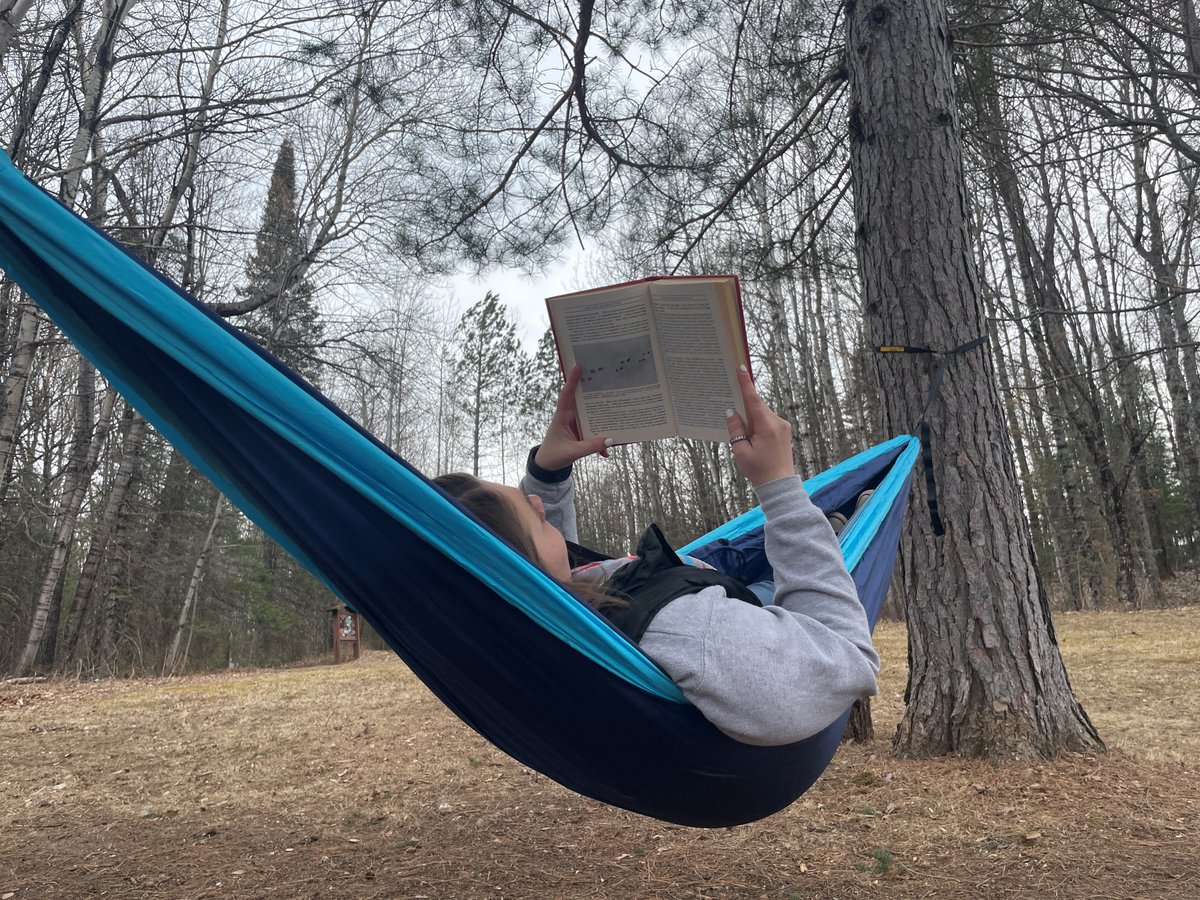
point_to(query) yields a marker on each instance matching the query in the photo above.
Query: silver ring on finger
(737, 437)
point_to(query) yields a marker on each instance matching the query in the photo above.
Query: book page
(700, 333)
(622, 389)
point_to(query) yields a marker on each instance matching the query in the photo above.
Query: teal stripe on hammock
(857, 536)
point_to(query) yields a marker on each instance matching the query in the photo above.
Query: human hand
(767, 453)
(562, 446)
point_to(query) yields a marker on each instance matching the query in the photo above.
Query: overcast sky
(525, 295)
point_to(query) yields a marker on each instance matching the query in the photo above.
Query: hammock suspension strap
(921, 426)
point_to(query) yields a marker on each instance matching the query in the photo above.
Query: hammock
(512, 654)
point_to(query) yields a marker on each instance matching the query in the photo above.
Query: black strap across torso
(657, 577)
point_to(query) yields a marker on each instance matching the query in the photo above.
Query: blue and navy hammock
(511, 653)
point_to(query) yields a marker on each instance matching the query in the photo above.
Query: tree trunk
(34, 94)
(112, 616)
(41, 643)
(1174, 333)
(11, 14)
(112, 522)
(988, 293)
(14, 390)
(193, 588)
(1125, 398)
(986, 677)
(1191, 39)
(859, 727)
(96, 68)
(834, 432)
(779, 357)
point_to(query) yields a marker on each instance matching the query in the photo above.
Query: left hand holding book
(562, 444)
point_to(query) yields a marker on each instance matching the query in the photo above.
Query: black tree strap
(921, 426)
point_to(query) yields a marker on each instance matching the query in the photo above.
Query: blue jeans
(764, 591)
(744, 558)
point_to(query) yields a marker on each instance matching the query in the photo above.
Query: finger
(755, 406)
(566, 397)
(569, 417)
(735, 424)
(600, 445)
(573, 376)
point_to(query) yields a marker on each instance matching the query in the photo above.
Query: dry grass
(353, 782)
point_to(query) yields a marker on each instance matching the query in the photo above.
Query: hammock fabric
(516, 657)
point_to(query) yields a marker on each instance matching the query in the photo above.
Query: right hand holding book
(762, 445)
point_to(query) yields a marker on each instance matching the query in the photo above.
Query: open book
(659, 357)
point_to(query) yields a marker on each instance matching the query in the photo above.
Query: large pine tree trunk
(986, 678)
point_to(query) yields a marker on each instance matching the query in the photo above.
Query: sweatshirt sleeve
(777, 674)
(557, 491)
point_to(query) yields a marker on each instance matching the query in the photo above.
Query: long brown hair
(497, 513)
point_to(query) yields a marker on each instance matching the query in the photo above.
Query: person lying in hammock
(763, 674)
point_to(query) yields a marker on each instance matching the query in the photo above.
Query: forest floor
(353, 782)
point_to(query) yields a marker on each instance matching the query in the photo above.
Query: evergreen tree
(540, 384)
(284, 318)
(487, 373)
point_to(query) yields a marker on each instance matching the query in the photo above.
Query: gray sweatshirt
(763, 675)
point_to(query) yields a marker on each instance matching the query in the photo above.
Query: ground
(351, 781)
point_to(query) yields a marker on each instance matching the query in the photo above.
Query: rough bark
(986, 677)
(859, 727)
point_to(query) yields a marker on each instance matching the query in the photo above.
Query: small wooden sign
(347, 631)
